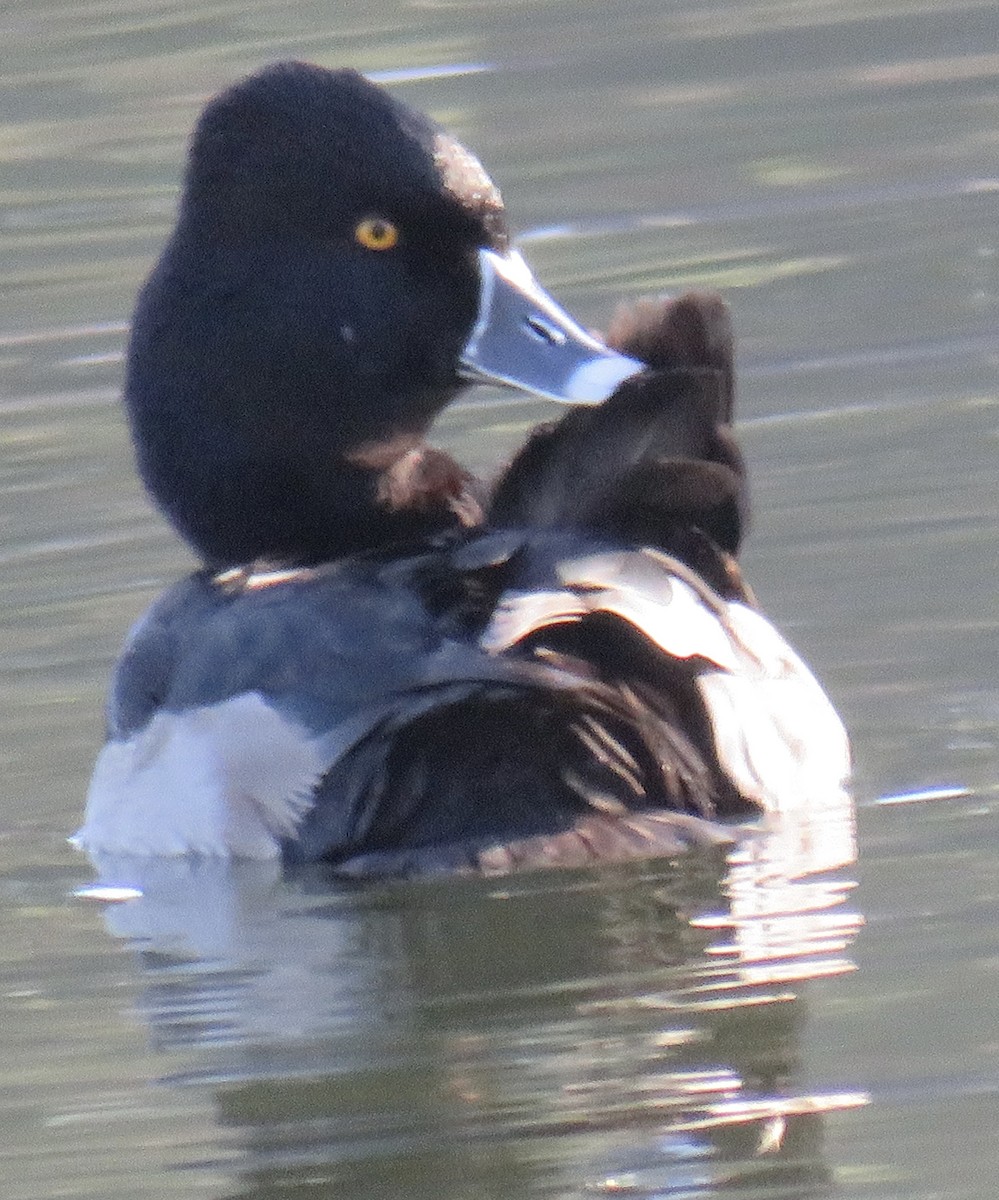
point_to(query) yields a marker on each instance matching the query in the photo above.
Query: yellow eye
(376, 233)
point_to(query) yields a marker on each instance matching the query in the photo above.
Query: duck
(384, 665)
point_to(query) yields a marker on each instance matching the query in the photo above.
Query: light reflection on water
(634, 1030)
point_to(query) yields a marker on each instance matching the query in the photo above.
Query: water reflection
(634, 1030)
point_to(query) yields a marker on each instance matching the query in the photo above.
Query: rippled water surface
(653, 1031)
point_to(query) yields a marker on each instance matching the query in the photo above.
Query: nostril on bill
(545, 332)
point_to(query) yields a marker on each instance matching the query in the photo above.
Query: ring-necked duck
(383, 664)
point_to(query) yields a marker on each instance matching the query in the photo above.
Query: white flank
(684, 627)
(776, 732)
(777, 735)
(647, 590)
(228, 781)
(519, 614)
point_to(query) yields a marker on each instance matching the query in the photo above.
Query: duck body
(384, 664)
(362, 714)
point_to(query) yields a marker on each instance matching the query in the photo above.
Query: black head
(298, 148)
(304, 324)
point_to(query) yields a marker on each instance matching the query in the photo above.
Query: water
(640, 1032)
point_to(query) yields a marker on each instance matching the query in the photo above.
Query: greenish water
(643, 1032)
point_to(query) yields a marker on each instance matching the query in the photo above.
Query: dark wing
(657, 464)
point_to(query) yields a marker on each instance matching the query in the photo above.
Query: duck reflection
(633, 1030)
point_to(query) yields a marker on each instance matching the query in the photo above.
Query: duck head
(340, 269)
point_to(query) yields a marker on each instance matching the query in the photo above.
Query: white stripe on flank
(228, 781)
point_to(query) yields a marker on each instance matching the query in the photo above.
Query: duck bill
(523, 339)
